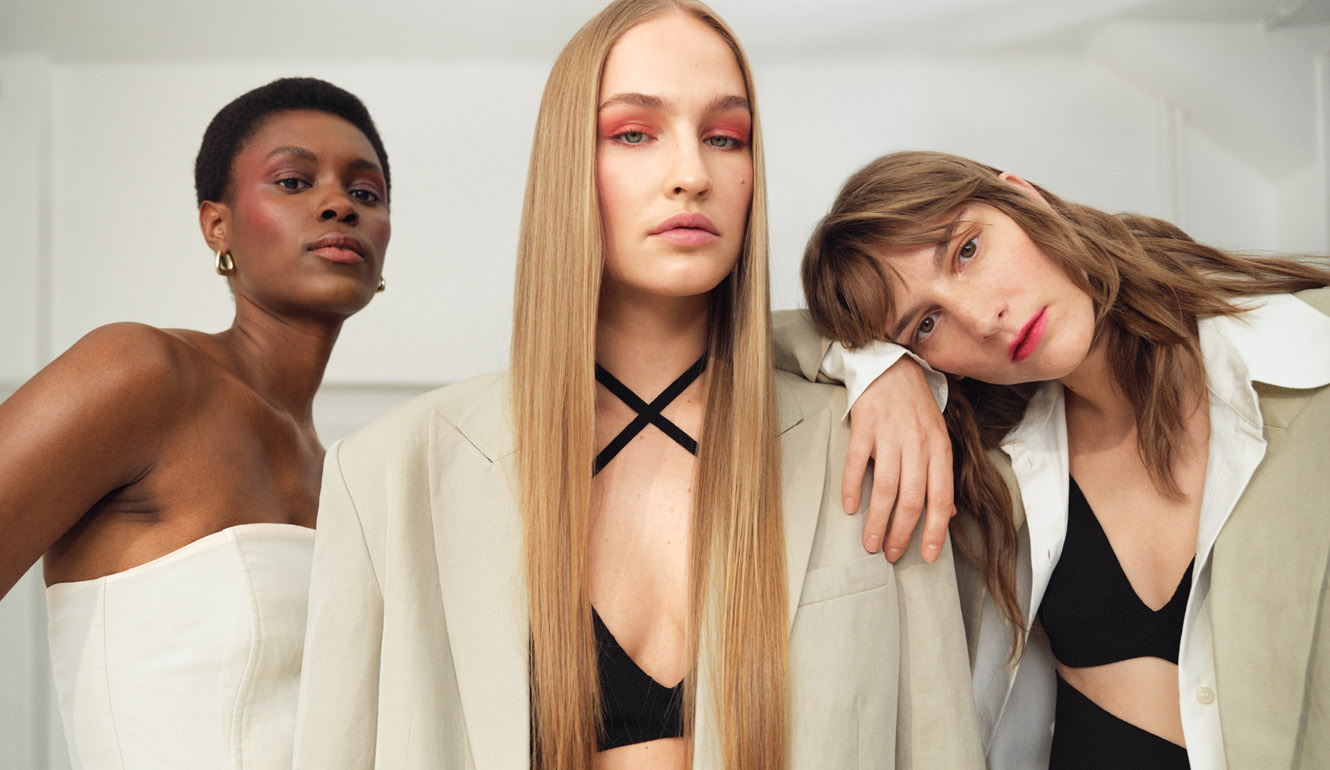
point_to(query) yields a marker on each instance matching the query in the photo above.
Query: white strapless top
(189, 661)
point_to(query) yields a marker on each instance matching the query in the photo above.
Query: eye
(925, 327)
(631, 137)
(967, 251)
(292, 183)
(365, 196)
(723, 142)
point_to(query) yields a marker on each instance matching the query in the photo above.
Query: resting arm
(895, 421)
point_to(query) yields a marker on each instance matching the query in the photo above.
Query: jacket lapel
(804, 473)
(804, 442)
(478, 538)
(1270, 557)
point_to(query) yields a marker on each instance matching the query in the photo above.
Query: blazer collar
(1280, 340)
(482, 576)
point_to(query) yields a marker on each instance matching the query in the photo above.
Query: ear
(1022, 185)
(214, 221)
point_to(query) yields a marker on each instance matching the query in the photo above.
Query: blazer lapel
(804, 471)
(803, 476)
(478, 538)
(1268, 560)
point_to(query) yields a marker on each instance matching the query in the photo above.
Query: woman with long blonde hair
(626, 552)
(1153, 413)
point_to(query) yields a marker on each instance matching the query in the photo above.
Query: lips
(1029, 337)
(339, 247)
(687, 230)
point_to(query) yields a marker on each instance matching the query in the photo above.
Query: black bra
(1091, 613)
(637, 708)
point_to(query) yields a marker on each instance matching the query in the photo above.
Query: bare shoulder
(122, 375)
(90, 422)
(141, 354)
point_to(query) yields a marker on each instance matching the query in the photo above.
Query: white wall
(124, 240)
(98, 224)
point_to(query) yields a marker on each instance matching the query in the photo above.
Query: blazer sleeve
(936, 724)
(337, 716)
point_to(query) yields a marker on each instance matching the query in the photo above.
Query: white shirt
(857, 369)
(1281, 341)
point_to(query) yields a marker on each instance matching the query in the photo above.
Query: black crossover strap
(647, 413)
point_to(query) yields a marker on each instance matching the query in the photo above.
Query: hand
(897, 424)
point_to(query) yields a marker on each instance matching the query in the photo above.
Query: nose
(981, 313)
(688, 174)
(338, 206)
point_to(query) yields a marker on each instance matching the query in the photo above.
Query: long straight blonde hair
(738, 612)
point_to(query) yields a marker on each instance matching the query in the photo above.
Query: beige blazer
(416, 655)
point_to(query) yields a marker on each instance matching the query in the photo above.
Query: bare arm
(84, 426)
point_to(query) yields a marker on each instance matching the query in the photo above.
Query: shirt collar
(1045, 402)
(1279, 340)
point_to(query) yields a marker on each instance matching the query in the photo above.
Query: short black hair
(238, 121)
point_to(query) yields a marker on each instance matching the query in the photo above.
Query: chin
(342, 304)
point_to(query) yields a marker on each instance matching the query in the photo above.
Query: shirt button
(1205, 696)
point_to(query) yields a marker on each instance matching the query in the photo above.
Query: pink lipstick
(1029, 337)
(687, 230)
(339, 247)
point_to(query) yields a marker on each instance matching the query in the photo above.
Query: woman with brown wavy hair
(1159, 410)
(594, 560)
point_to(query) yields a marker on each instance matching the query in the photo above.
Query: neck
(1093, 393)
(647, 342)
(281, 358)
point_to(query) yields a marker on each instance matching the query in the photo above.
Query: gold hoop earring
(383, 285)
(225, 263)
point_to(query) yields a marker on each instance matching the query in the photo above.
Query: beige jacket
(416, 655)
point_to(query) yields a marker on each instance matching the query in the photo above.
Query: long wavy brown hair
(736, 557)
(1148, 280)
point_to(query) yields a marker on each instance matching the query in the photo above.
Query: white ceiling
(176, 30)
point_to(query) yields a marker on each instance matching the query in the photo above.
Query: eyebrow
(359, 164)
(939, 258)
(299, 152)
(649, 102)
